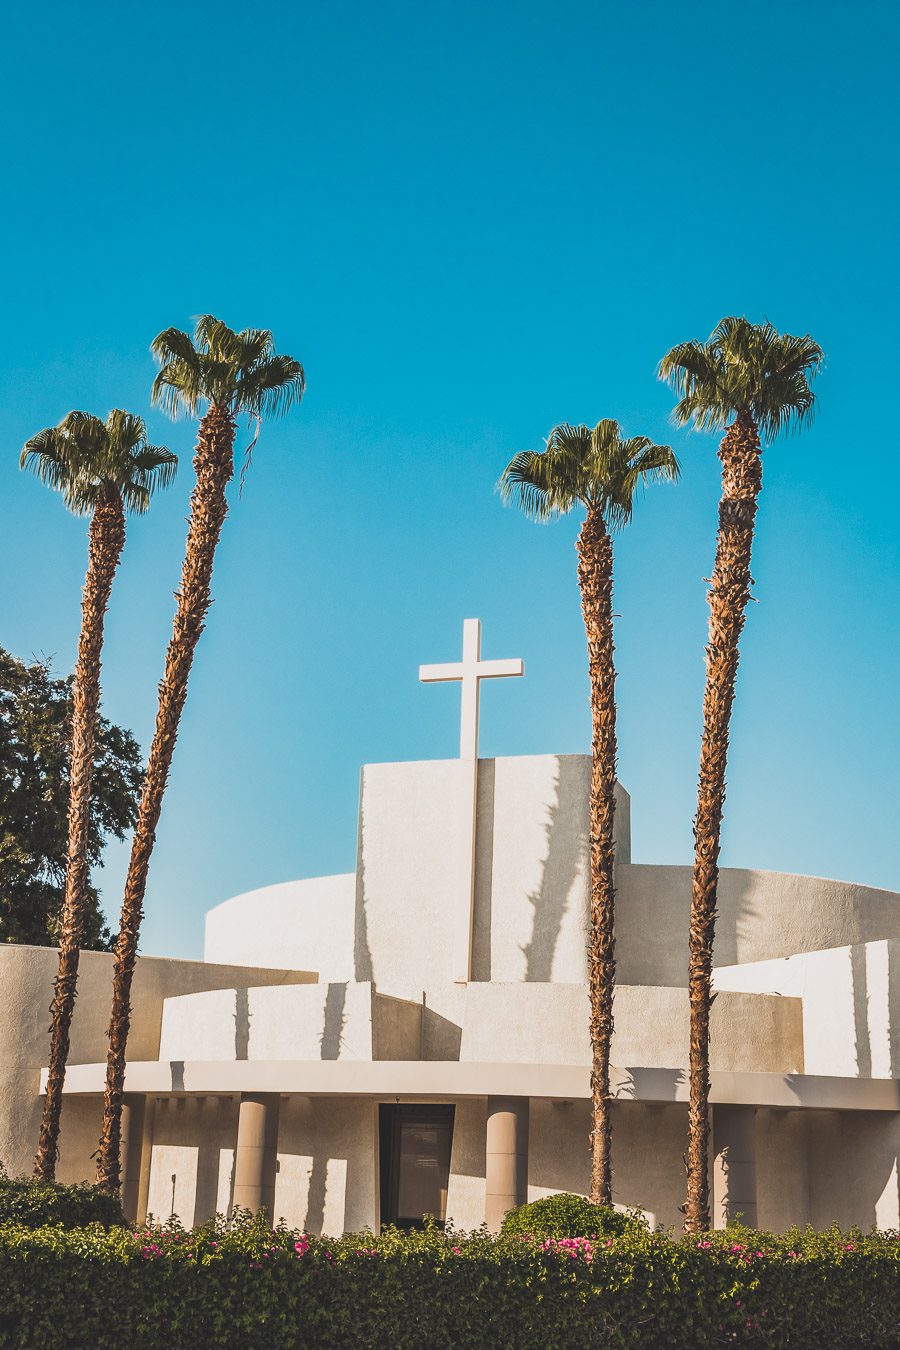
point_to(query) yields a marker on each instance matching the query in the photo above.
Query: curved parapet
(762, 916)
(303, 925)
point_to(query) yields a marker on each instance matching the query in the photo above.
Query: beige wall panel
(327, 1164)
(548, 1024)
(465, 1193)
(193, 1139)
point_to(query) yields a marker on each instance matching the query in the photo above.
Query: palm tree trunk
(729, 595)
(214, 466)
(106, 539)
(595, 576)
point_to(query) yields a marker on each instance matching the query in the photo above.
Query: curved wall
(762, 916)
(307, 925)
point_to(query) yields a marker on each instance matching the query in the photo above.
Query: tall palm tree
(747, 380)
(102, 469)
(230, 373)
(600, 470)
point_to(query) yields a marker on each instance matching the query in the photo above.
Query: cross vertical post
(470, 672)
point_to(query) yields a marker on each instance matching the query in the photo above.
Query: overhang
(435, 1079)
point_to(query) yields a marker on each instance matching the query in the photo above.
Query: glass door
(414, 1143)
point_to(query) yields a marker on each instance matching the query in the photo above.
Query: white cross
(470, 671)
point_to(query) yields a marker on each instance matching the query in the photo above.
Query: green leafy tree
(747, 380)
(35, 748)
(102, 469)
(599, 470)
(228, 374)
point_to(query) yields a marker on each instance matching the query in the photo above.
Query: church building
(411, 1037)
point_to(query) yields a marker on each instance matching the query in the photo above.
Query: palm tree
(747, 380)
(231, 373)
(102, 470)
(600, 470)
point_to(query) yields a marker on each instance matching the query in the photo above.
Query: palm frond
(525, 480)
(270, 388)
(84, 457)
(744, 367)
(45, 455)
(241, 370)
(215, 337)
(593, 466)
(173, 345)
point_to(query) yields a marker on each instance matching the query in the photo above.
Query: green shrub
(244, 1287)
(567, 1215)
(34, 1204)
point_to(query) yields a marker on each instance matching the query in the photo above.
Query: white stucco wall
(192, 1158)
(328, 1164)
(852, 1159)
(851, 1004)
(648, 1149)
(813, 1166)
(307, 924)
(291, 1022)
(531, 887)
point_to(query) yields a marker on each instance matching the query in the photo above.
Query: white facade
(320, 1001)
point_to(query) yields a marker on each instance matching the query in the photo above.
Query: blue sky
(470, 222)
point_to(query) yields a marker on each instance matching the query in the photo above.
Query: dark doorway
(414, 1144)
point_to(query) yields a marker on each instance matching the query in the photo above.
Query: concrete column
(131, 1152)
(506, 1161)
(256, 1153)
(734, 1165)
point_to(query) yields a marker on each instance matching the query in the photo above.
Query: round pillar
(506, 1158)
(256, 1153)
(131, 1153)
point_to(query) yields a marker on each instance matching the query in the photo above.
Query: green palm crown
(595, 467)
(239, 371)
(85, 458)
(744, 367)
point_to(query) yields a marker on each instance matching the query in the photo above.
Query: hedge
(568, 1215)
(244, 1287)
(36, 1203)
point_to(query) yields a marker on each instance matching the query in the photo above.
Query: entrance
(414, 1146)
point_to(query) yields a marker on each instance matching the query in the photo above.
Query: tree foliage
(239, 371)
(83, 456)
(744, 367)
(596, 467)
(35, 732)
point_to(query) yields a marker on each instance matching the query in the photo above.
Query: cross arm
(489, 670)
(450, 671)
